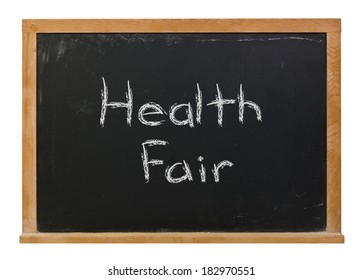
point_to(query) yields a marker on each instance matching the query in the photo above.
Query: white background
(291, 261)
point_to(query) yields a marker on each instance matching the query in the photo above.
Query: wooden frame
(332, 27)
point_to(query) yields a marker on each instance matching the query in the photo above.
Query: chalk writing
(152, 108)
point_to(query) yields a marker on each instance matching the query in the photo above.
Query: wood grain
(188, 237)
(181, 25)
(29, 132)
(333, 132)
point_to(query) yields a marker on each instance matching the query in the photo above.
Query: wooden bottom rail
(191, 237)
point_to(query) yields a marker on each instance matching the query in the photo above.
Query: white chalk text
(190, 120)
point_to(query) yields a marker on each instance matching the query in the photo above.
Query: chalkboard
(222, 132)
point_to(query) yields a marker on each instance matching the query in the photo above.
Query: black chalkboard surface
(230, 128)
